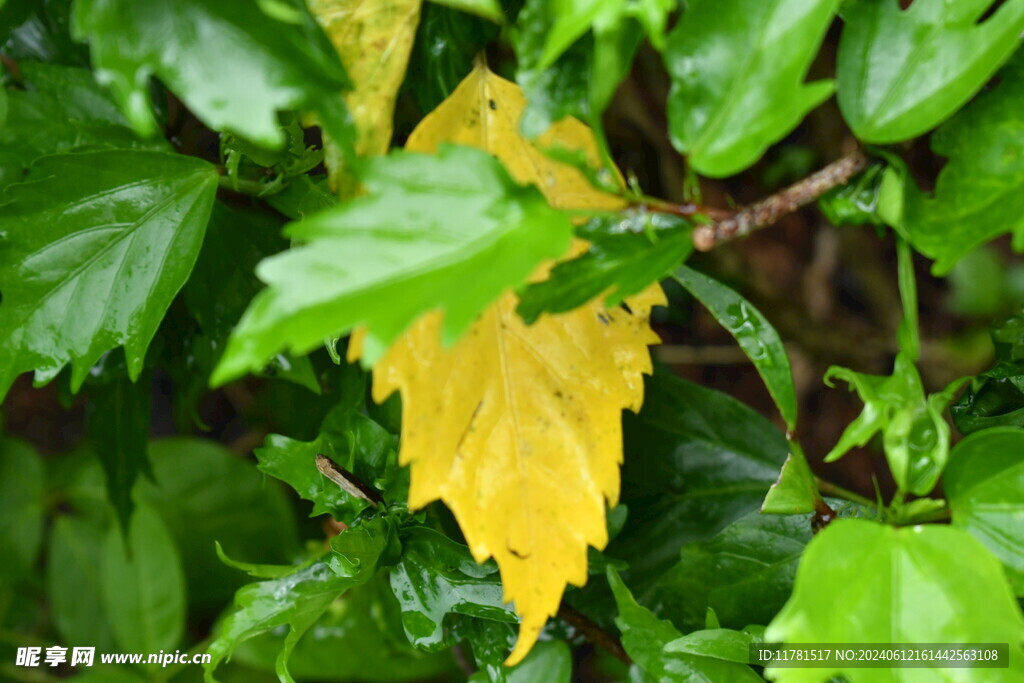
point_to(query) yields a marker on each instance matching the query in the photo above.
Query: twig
(688, 210)
(592, 632)
(771, 209)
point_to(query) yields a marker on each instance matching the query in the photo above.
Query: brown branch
(688, 210)
(592, 632)
(771, 209)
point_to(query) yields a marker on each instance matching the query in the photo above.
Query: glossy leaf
(358, 638)
(21, 508)
(235, 84)
(874, 197)
(205, 494)
(696, 460)
(447, 42)
(118, 416)
(645, 636)
(796, 490)
(901, 72)
(74, 582)
(259, 571)
(295, 601)
(60, 108)
(373, 40)
(978, 192)
(298, 599)
(625, 255)
(40, 31)
(437, 577)
(490, 9)
(565, 21)
(719, 643)
(143, 585)
(80, 277)
(724, 112)
(744, 573)
(406, 240)
(577, 73)
(897, 585)
(995, 398)
(351, 440)
(755, 335)
(914, 430)
(542, 402)
(548, 661)
(985, 487)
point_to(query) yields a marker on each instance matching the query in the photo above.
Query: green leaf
(562, 22)
(291, 369)
(645, 636)
(897, 585)
(738, 69)
(359, 637)
(583, 79)
(719, 643)
(298, 599)
(755, 335)
(796, 490)
(447, 41)
(436, 577)
(407, 242)
(984, 484)
(978, 194)
(232, 64)
(295, 601)
(21, 508)
(74, 582)
(260, 571)
(901, 72)
(489, 9)
(549, 661)
(58, 109)
(626, 254)
(40, 31)
(696, 460)
(362, 549)
(915, 433)
(117, 420)
(873, 197)
(351, 440)
(143, 585)
(97, 244)
(303, 196)
(205, 494)
(745, 573)
(995, 398)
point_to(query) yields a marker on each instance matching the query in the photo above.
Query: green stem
(909, 335)
(241, 186)
(827, 488)
(941, 515)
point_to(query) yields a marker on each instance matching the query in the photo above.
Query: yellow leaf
(518, 428)
(373, 39)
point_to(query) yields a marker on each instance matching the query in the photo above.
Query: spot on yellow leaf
(373, 39)
(518, 428)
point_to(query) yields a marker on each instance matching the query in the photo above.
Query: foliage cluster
(395, 229)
